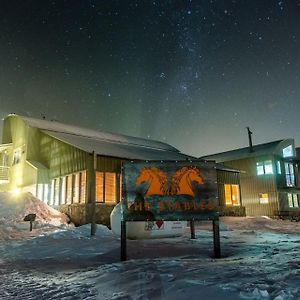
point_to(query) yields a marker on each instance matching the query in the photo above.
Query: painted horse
(155, 179)
(182, 181)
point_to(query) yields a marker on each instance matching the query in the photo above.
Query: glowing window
(260, 168)
(232, 195)
(264, 167)
(288, 151)
(263, 198)
(106, 187)
(268, 167)
(289, 174)
(293, 200)
(99, 186)
(76, 190)
(110, 187)
(278, 167)
(82, 186)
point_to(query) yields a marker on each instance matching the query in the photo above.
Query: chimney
(250, 140)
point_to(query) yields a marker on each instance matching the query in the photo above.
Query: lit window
(288, 151)
(232, 195)
(263, 198)
(278, 167)
(82, 186)
(106, 187)
(76, 190)
(260, 168)
(289, 174)
(69, 189)
(110, 187)
(264, 167)
(268, 167)
(293, 200)
(99, 186)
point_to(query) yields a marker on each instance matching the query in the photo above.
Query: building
(269, 183)
(69, 167)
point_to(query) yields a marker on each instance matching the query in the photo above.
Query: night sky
(193, 74)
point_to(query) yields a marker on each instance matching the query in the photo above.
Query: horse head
(157, 181)
(182, 181)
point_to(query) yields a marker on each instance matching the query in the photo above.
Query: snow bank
(13, 209)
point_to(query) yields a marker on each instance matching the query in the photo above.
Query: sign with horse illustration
(169, 191)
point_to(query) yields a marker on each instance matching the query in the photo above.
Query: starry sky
(192, 73)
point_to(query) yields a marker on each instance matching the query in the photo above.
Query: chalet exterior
(70, 167)
(269, 183)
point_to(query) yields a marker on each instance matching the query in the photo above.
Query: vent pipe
(250, 139)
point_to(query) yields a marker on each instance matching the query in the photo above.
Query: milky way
(191, 73)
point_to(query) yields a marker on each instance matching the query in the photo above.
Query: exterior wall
(15, 131)
(55, 159)
(252, 185)
(77, 213)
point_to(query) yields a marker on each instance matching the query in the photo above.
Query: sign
(170, 191)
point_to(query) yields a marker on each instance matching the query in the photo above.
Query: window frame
(264, 167)
(232, 194)
(263, 198)
(293, 200)
(102, 193)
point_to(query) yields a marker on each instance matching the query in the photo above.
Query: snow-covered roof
(104, 143)
(258, 150)
(114, 149)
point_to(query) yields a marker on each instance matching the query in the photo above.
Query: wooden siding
(252, 185)
(61, 159)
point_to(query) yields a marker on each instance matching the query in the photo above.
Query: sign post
(93, 204)
(123, 241)
(216, 232)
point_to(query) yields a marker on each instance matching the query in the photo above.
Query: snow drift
(13, 209)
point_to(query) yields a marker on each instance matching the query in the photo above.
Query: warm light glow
(16, 191)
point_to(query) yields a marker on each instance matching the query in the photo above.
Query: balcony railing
(4, 174)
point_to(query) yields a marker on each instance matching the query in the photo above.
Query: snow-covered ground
(260, 260)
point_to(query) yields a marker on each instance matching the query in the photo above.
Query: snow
(260, 260)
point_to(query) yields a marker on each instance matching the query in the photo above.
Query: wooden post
(217, 245)
(93, 196)
(123, 241)
(192, 227)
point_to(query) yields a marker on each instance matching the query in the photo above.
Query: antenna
(250, 139)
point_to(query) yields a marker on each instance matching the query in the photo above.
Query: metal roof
(258, 150)
(107, 144)
(94, 134)
(113, 149)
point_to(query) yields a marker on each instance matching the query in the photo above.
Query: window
(56, 191)
(106, 187)
(288, 151)
(110, 187)
(289, 174)
(69, 189)
(264, 167)
(17, 156)
(263, 198)
(82, 186)
(278, 167)
(293, 200)
(232, 195)
(76, 189)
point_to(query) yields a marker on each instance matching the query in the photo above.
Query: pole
(217, 245)
(123, 241)
(192, 227)
(93, 196)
